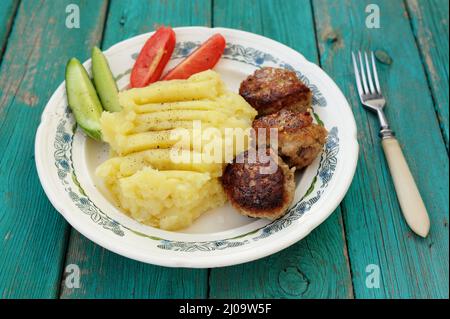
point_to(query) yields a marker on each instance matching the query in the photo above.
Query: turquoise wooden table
(364, 250)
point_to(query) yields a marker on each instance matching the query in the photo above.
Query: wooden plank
(316, 267)
(33, 234)
(105, 274)
(376, 231)
(430, 25)
(7, 14)
(140, 16)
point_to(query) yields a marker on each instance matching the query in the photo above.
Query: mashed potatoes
(169, 145)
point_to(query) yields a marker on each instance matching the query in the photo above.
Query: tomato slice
(202, 59)
(152, 59)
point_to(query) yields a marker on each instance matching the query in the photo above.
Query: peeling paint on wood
(32, 68)
(430, 24)
(375, 229)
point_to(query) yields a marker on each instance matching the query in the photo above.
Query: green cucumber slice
(83, 99)
(104, 82)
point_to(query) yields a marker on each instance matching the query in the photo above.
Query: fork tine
(369, 74)
(375, 73)
(358, 79)
(363, 73)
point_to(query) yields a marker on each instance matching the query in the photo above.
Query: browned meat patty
(300, 141)
(269, 90)
(256, 194)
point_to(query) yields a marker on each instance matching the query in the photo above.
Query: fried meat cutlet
(300, 140)
(256, 193)
(268, 90)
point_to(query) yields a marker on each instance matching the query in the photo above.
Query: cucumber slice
(83, 99)
(104, 82)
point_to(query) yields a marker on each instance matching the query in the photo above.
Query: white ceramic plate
(66, 160)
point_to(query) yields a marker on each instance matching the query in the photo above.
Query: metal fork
(371, 97)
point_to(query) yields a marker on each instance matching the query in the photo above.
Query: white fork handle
(408, 195)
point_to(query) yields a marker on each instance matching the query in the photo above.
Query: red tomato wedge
(202, 59)
(153, 57)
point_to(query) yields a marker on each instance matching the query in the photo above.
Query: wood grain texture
(316, 267)
(430, 24)
(105, 274)
(130, 18)
(7, 14)
(33, 235)
(375, 229)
